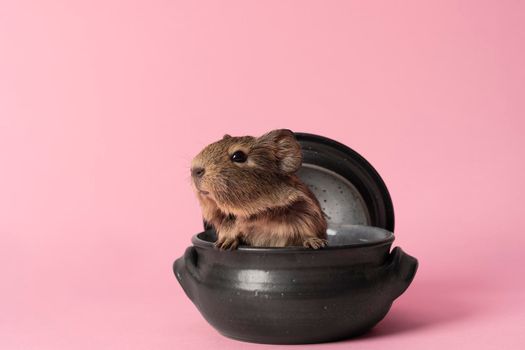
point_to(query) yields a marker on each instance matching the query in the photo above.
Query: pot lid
(349, 189)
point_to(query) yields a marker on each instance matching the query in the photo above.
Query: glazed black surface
(296, 295)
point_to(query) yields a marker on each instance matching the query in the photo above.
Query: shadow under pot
(296, 295)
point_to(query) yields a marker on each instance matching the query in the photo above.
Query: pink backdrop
(104, 103)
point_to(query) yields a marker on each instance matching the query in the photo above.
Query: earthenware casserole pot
(297, 295)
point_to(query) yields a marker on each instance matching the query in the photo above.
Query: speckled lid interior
(349, 189)
(340, 200)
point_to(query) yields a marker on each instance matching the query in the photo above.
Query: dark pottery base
(296, 295)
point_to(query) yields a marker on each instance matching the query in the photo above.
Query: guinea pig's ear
(285, 147)
(226, 136)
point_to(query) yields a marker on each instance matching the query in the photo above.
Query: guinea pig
(249, 192)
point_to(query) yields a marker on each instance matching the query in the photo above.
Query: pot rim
(198, 242)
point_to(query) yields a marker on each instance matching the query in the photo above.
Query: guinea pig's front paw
(226, 242)
(315, 243)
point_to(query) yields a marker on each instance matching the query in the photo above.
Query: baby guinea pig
(250, 194)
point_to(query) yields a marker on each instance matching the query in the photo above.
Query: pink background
(104, 103)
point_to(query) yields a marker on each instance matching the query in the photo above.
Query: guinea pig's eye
(238, 157)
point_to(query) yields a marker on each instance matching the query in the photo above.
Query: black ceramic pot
(297, 295)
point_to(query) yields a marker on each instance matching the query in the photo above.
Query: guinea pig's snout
(197, 172)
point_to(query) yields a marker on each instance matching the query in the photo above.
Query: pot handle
(402, 268)
(191, 259)
(187, 272)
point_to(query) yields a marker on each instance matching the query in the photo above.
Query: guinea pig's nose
(197, 172)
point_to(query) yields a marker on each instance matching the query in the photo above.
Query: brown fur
(260, 202)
